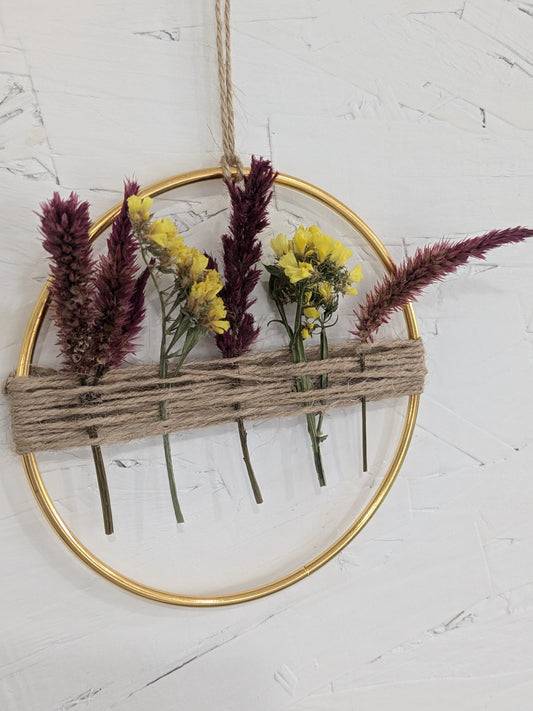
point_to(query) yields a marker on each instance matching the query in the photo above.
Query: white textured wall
(419, 115)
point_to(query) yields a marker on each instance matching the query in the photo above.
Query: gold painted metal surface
(46, 504)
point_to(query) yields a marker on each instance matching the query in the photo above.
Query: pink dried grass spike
(427, 265)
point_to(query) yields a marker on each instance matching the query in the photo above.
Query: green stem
(171, 480)
(363, 422)
(101, 478)
(324, 378)
(163, 414)
(304, 383)
(243, 436)
(163, 405)
(99, 466)
(363, 434)
(315, 446)
(191, 339)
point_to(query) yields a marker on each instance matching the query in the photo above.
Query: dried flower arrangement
(188, 297)
(99, 306)
(427, 265)
(242, 251)
(310, 272)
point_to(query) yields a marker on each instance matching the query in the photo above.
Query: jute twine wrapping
(52, 411)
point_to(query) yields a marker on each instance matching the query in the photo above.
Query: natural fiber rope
(53, 411)
(229, 157)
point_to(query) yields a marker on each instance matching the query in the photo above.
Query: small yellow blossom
(181, 255)
(139, 208)
(356, 274)
(305, 333)
(215, 317)
(295, 270)
(211, 275)
(176, 248)
(311, 312)
(323, 245)
(198, 265)
(300, 242)
(164, 233)
(190, 262)
(325, 289)
(340, 254)
(197, 296)
(200, 293)
(279, 245)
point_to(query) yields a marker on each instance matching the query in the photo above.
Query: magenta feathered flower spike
(98, 307)
(242, 251)
(427, 265)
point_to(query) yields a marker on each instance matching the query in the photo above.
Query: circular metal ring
(47, 506)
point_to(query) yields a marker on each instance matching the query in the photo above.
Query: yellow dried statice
(310, 272)
(188, 296)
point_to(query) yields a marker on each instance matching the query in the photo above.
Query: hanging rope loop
(230, 160)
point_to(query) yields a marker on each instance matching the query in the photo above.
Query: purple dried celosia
(119, 297)
(427, 265)
(98, 309)
(65, 227)
(241, 254)
(137, 309)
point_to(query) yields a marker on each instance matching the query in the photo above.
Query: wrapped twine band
(52, 411)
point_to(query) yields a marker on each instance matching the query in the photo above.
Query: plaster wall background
(419, 115)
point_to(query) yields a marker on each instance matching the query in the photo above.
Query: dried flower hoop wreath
(50, 511)
(98, 307)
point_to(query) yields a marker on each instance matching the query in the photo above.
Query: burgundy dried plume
(119, 300)
(241, 253)
(98, 308)
(65, 226)
(428, 264)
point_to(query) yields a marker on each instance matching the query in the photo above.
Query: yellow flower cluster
(188, 262)
(309, 248)
(204, 304)
(139, 208)
(198, 284)
(317, 262)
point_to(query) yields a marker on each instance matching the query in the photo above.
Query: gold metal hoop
(41, 494)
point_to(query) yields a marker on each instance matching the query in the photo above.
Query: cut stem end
(171, 481)
(103, 488)
(243, 436)
(363, 434)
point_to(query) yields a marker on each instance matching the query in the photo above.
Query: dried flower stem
(98, 309)
(118, 293)
(163, 412)
(243, 437)
(363, 423)
(241, 254)
(427, 265)
(190, 308)
(103, 487)
(303, 384)
(163, 373)
(324, 378)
